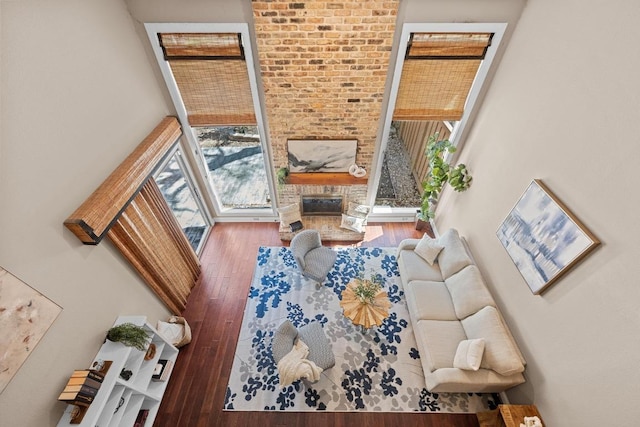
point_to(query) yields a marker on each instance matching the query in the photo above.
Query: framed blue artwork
(543, 238)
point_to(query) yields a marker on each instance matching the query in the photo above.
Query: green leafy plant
(130, 335)
(281, 176)
(439, 173)
(367, 289)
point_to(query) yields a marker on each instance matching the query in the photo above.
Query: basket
(175, 330)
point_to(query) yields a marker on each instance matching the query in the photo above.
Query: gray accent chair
(312, 334)
(314, 260)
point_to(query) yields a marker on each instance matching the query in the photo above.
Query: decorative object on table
(357, 171)
(130, 335)
(176, 330)
(141, 419)
(543, 238)
(25, 317)
(439, 173)
(295, 226)
(163, 370)
(151, 352)
(321, 155)
(510, 416)
(531, 422)
(126, 374)
(379, 371)
(365, 303)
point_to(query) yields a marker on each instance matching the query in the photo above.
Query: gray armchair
(314, 260)
(312, 334)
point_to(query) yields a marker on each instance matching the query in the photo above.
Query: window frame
(193, 149)
(459, 131)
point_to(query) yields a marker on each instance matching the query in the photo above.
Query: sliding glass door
(181, 195)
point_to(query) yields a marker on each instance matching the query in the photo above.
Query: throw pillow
(353, 223)
(428, 249)
(289, 214)
(469, 354)
(360, 211)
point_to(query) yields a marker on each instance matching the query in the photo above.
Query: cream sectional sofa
(449, 304)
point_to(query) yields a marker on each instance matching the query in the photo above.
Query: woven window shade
(93, 218)
(129, 208)
(212, 77)
(449, 45)
(214, 45)
(149, 237)
(215, 92)
(437, 75)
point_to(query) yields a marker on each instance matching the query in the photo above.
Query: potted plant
(438, 174)
(366, 290)
(130, 335)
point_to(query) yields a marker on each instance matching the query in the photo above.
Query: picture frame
(321, 155)
(25, 318)
(543, 237)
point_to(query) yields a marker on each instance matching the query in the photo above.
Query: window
(209, 73)
(439, 72)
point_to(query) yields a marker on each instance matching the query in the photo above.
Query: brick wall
(324, 67)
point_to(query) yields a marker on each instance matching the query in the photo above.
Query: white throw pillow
(469, 354)
(360, 211)
(428, 249)
(353, 223)
(289, 214)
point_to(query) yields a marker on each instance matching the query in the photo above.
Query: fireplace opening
(321, 204)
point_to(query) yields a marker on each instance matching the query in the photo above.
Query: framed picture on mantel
(543, 238)
(321, 155)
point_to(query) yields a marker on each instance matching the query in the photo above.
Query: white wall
(78, 95)
(563, 107)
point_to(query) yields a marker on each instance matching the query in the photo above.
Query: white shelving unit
(118, 401)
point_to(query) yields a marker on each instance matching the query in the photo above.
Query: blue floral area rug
(376, 370)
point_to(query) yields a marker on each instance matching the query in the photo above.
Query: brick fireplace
(323, 66)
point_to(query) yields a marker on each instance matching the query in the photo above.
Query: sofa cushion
(440, 340)
(429, 301)
(469, 354)
(500, 353)
(428, 248)
(454, 256)
(412, 267)
(468, 291)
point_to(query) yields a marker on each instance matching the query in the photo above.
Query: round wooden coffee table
(362, 313)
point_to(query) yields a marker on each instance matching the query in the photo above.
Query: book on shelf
(75, 397)
(141, 418)
(88, 373)
(84, 381)
(81, 389)
(162, 370)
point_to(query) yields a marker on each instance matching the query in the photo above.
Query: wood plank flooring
(196, 392)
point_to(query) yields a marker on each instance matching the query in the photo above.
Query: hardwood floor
(195, 395)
